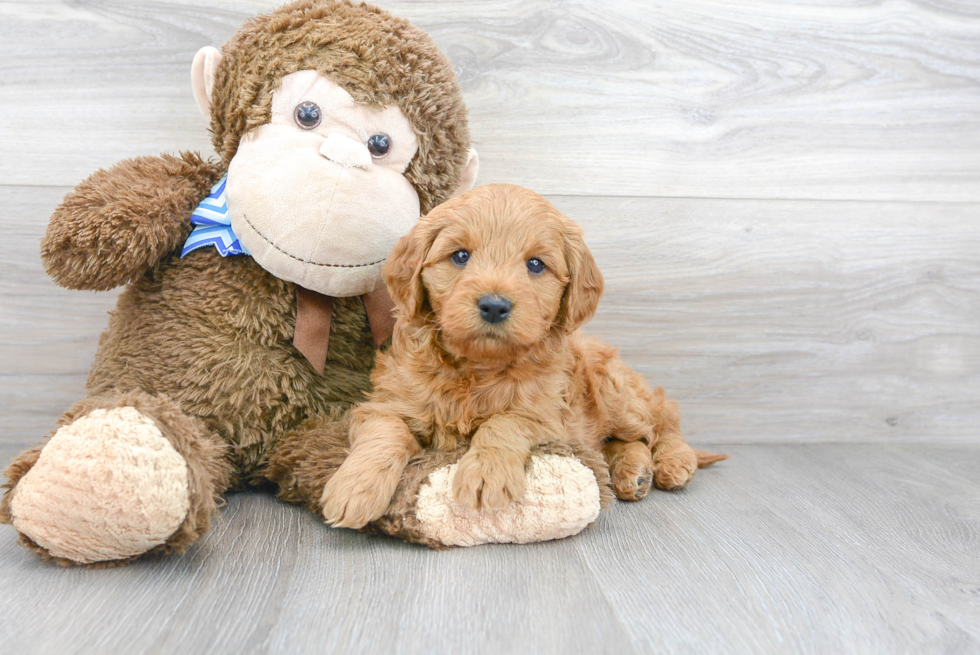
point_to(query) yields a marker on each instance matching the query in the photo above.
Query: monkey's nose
(346, 151)
(494, 308)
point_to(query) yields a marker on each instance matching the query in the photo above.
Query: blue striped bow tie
(212, 225)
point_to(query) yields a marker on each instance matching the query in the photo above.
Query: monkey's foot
(108, 486)
(561, 497)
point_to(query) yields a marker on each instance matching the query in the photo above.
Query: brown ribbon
(314, 312)
(381, 315)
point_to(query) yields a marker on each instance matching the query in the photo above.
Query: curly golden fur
(457, 373)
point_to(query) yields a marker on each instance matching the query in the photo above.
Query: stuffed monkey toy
(254, 302)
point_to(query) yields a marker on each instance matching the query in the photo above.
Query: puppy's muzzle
(494, 308)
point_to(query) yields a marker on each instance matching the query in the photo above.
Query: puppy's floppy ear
(403, 271)
(584, 287)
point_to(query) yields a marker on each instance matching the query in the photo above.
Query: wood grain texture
(48, 335)
(796, 321)
(802, 549)
(770, 321)
(705, 98)
(810, 549)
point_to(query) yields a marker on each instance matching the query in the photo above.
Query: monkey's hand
(119, 222)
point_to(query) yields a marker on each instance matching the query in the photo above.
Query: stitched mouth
(306, 261)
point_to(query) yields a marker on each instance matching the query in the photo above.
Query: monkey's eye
(535, 265)
(460, 257)
(379, 145)
(307, 115)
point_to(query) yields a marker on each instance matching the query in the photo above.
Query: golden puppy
(491, 289)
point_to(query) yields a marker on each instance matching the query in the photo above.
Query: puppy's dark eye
(535, 265)
(307, 115)
(379, 145)
(460, 257)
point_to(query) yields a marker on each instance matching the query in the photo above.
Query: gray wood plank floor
(782, 549)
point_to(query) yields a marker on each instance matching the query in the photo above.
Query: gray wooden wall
(784, 196)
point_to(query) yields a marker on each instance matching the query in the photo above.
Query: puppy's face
(495, 280)
(499, 269)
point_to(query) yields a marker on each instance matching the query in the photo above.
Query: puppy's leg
(627, 410)
(491, 473)
(630, 468)
(674, 462)
(360, 491)
(646, 444)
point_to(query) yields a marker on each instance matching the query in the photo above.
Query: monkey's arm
(119, 222)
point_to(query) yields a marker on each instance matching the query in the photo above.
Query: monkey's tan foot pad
(109, 486)
(561, 498)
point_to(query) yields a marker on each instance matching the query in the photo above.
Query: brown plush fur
(376, 57)
(142, 206)
(452, 377)
(210, 337)
(215, 335)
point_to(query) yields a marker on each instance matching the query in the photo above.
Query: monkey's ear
(468, 179)
(403, 270)
(202, 78)
(585, 283)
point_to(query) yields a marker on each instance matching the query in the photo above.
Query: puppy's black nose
(494, 308)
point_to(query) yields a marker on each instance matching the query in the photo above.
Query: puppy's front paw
(352, 501)
(675, 469)
(487, 480)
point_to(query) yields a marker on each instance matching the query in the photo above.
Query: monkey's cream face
(318, 194)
